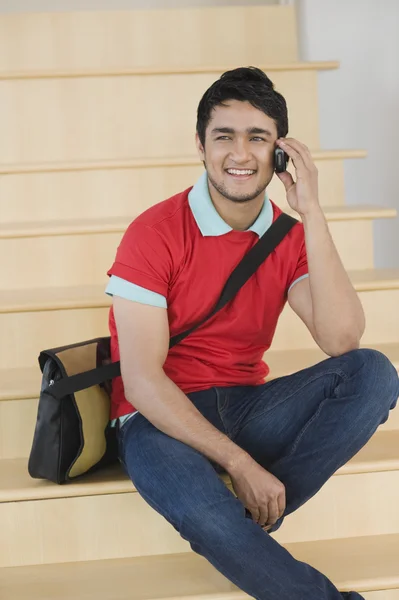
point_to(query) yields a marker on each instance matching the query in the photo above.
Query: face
(239, 150)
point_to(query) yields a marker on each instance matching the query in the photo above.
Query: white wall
(359, 103)
(7, 6)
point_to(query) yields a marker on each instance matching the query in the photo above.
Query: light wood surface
(93, 296)
(94, 225)
(161, 70)
(382, 323)
(361, 564)
(19, 391)
(381, 454)
(147, 38)
(31, 253)
(119, 117)
(23, 383)
(141, 163)
(382, 595)
(109, 188)
(341, 509)
(17, 422)
(28, 333)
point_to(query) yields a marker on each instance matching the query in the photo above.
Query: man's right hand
(258, 490)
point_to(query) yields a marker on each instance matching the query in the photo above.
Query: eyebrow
(250, 130)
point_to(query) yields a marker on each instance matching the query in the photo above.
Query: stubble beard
(239, 199)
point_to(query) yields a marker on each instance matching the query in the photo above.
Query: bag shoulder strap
(239, 276)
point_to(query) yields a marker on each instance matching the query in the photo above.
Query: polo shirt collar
(209, 221)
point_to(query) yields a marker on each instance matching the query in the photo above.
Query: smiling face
(239, 150)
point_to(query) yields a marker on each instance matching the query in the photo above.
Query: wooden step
(36, 509)
(93, 296)
(46, 322)
(118, 224)
(382, 322)
(59, 106)
(381, 454)
(48, 243)
(162, 70)
(124, 39)
(23, 383)
(19, 391)
(147, 163)
(50, 191)
(362, 564)
(344, 507)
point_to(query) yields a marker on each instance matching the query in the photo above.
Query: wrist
(237, 461)
(313, 214)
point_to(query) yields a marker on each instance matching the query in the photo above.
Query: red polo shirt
(164, 251)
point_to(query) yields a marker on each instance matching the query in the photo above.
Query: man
(203, 407)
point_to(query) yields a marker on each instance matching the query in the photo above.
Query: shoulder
(164, 218)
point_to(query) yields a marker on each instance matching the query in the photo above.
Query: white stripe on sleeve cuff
(296, 281)
(130, 291)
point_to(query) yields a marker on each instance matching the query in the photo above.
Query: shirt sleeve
(130, 291)
(144, 259)
(301, 268)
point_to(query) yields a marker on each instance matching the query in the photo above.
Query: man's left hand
(302, 194)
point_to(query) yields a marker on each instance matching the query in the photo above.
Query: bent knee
(379, 367)
(378, 379)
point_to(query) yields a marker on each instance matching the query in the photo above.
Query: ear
(200, 148)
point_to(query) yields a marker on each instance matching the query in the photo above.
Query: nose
(240, 153)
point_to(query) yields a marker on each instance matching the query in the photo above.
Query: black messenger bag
(72, 434)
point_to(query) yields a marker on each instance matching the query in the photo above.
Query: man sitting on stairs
(203, 408)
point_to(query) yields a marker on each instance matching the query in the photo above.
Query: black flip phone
(281, 159)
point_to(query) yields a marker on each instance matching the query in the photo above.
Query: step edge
(39, 229)
(101, 300)
(366, 583)
(144, 163)
(159, 71)
(28, 394)
(127, 487)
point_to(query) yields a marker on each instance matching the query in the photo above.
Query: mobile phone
(280, 160)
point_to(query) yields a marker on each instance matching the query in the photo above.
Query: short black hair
(247, 84)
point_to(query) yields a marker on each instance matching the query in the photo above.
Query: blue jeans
(302, 428)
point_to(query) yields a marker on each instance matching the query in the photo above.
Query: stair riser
(67, 121)
(18, 419)
(347, 506)
(30, 332)
(382, 595)
(382, 325)
(66, 260)
(41, 196)
(126, 38)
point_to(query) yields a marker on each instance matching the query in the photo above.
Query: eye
(258, 139)
(223, 137)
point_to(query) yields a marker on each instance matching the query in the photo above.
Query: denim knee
(378, 376)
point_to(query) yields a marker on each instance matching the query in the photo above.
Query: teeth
(240, 172)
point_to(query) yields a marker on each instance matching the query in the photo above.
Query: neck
(239, 215)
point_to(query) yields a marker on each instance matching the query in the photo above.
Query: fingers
(281, 501)
(255, 512)
(268, 514)
(287, 180)
(298, 152)
(274, 512)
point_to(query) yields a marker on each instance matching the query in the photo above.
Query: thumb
(287, 179)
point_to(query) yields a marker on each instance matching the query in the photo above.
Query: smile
(241, 172)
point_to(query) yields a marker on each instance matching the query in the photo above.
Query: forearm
(162, 402)
(338, 315)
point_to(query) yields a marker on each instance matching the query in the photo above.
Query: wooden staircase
(98, 125)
